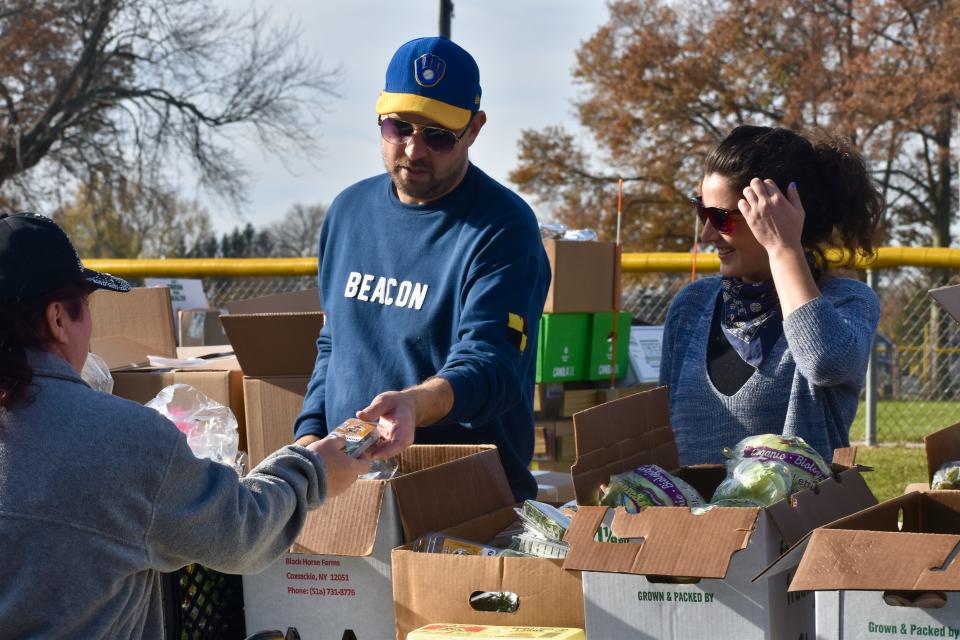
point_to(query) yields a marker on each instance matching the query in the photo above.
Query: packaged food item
(754, 482)
(441, 543)
(806, 466)
(450, 631)
(947, 476)
(382, 469)
(96, 373)
(648, 486)
(360, 435)
(543, 520)
(535, 546)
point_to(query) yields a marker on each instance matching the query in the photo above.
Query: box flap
(274, 344)
(143, 315)
(619, 436)
(345, 525)
(845, 457)
(120, 352)
(942, 446)
(675, 541)
(307, 300)
(453, 491)
(949, 299)
(873, 560)
(831, 499)
(907, 543)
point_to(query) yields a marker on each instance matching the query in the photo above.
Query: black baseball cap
(37, 257)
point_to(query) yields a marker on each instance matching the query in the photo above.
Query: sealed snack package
(806, 466)
(96, 374)
(542, 520)
(947, 476)
(210, 427)
(648, 486)
(360, 435)
(754, 482)
(440, 543)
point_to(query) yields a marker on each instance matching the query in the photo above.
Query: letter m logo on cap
(428, 70)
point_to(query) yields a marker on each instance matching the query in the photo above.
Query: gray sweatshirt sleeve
(203, 513)
(830, 336)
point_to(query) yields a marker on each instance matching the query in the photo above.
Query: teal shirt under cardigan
(808, 386)
(99, 494)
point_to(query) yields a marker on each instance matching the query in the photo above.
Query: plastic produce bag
(96, 374)
(210, 427)
(580, 235)
(754, 482)
(648, 486)
(947, 476)
(552, 230)
(806, 465)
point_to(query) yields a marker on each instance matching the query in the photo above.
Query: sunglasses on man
(437, 139)
(720, 218)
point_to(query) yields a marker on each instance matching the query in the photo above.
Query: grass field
(906, 421)
(893, 469)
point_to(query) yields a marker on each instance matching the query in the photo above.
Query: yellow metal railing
(632, 262)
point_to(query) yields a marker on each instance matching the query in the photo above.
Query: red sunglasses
(721, 219)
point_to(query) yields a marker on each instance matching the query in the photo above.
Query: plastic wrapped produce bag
(754, 482)
(648, 486)
(96, 374)
(210, 427)
(806, 465)
(947, 476)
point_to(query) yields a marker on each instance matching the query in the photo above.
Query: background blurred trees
(663, 82)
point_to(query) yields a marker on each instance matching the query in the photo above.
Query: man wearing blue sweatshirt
(433, 279)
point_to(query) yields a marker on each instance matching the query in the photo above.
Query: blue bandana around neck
(752, 319)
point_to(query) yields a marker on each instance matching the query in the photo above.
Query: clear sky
(525, 50)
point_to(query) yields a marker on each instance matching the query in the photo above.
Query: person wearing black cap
(433, 278)
(99, 494)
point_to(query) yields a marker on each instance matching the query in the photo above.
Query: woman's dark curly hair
(843, 206)
(23, 326)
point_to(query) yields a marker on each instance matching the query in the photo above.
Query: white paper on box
(620, 605)
(645, 345)
(854, 615)
(342, 592)
(185, 293)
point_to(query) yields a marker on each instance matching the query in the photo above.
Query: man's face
(419, 174)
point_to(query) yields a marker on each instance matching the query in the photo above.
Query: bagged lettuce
(754, 482)
(947, 476)
(806, 466)
(648, 486)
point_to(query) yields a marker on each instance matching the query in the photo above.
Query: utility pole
(446, 13)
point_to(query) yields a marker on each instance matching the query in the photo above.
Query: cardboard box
(908, 544)
(553, 486)
(433, 586)
(200, 327)
(337, 579)
(142, 316)
(600, 350)
(941, 447)
(586, 276)
(275, 339)
(130, 327)
(562, 352)
(690, 572)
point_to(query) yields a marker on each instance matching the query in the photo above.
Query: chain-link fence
(917, 350)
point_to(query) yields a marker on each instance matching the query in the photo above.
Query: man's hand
(396, 413)
(399, 413)
(342, 470)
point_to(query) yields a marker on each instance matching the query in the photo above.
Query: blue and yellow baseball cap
(435, 78)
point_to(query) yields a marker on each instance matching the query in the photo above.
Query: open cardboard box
(129, 327)
(436, 587)
(941, 447)
(275, 339)
(691, 572)
(337, 577)
(907, 544)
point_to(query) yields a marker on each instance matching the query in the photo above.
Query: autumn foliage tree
(134, 88)
(662, 82)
